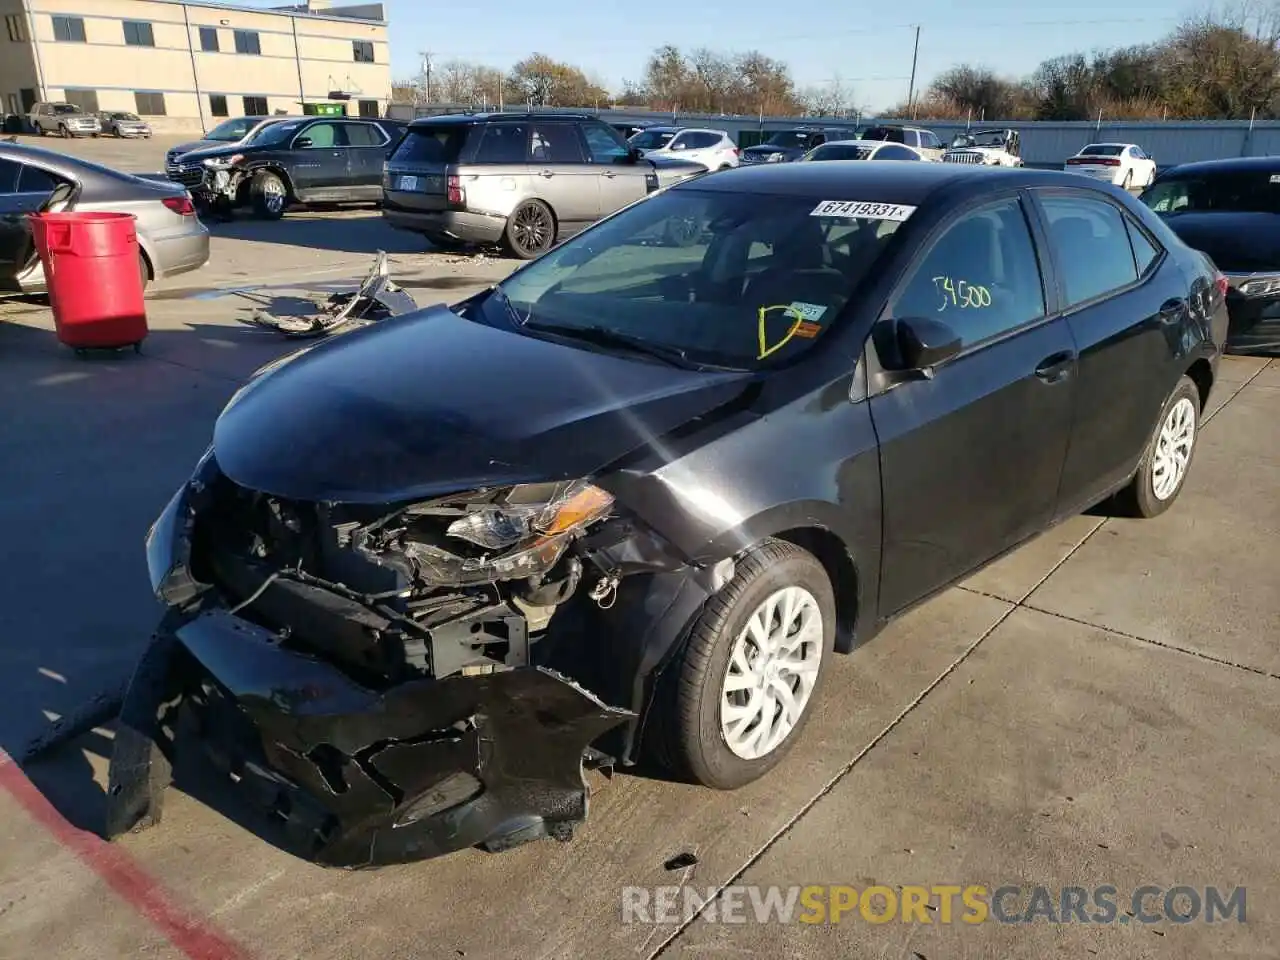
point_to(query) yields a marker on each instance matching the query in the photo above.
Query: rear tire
(1166, 461)
(531, 230)
(144, 269)
(744, 648)
(268, 195)
(1128, 180)
(64, 132)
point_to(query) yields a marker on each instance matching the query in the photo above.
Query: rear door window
(34, 180)
(432, 145)
(603, 145)
(8, 176)
(555, 143)
(364, 135)
(504, 143)
(1091, 247)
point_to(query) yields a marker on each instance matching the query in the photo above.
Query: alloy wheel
(1173, 449)
(772, 671)
(273, 194)
(532, 229)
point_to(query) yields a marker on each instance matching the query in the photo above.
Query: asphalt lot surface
(1101, 707)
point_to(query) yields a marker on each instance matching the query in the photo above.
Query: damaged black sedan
(631, 500)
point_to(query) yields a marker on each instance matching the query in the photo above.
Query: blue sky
(867, 46)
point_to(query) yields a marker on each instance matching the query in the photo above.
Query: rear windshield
(1228, 192)
(839, 151)
(725, 278)
(887, 134)
(652, 139)
(442, 144)
(791, 139)
(1102, 150)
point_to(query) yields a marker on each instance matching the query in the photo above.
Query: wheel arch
(830, 551)
(271, 166)
(1201, 374)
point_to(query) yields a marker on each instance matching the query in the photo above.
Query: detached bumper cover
(359, 778)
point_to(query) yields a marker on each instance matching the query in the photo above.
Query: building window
(255, 106)
(247, 42)
(17, 27)
(138, 33)
(68, 29)
(209, 39)
(369, 108)
(362, 51)
(218, 105)
(86, 100)
(149, 104)
(28, 95)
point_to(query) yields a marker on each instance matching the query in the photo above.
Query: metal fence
(1044, 143)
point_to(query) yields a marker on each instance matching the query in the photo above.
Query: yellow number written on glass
(961, 293)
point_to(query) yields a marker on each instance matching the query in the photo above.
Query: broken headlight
(519, 532)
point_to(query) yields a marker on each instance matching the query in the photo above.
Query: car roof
(902, 183)
(75, 168)
(462, 119)
(1231, 165)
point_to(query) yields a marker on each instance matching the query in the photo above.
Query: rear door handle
(1056, 367)
(548, 174)
(609, 173)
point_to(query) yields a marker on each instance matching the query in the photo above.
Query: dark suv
(787, 145)
(304, 160)
(524, 180)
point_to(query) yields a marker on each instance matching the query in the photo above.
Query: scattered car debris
(100, 709)
(681, 861)
(377, 298)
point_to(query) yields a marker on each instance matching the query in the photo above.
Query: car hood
(430, 403)
(1236, 242)
(665, 164)
(187, 147)
(221, 150)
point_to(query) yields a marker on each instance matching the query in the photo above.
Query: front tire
(531, 230)
(735, 700)
(64, 132)
(1167, 459)
(269, 195)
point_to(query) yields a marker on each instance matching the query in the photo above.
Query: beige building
(185, 65)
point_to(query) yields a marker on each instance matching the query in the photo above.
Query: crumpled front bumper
(359, 778)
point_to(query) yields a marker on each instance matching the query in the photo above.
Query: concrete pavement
(1099, 707)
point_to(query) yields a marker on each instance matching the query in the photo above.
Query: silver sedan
(171, 237)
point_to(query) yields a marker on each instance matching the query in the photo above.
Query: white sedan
(862, 150)
(1124, 164)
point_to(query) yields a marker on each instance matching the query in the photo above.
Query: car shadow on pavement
(352, 231)
(93, 448)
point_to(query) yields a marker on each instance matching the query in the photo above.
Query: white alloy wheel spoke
(772, 671)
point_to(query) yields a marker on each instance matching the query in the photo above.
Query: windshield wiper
(606, 337)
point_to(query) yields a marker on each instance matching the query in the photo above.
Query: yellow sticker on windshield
(788, 310)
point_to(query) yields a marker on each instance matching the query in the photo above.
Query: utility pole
(911, 88)
(426, 76)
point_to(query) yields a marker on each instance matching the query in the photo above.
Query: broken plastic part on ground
(377, 298)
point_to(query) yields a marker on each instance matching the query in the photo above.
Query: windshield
(231, 130)
(727, 279)
(989, 138)
(652, 139)
(276, 133)
(791, 139)
(1102, 150)
(1232, 192)
(65, 108)
(838, 151)
(890, 134)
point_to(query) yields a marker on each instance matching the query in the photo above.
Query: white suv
(713, 149)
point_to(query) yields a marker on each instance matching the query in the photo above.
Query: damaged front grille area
(450, 586)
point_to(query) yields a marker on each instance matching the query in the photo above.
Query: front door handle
(1056, 367)
(547, 173)
(609, 173)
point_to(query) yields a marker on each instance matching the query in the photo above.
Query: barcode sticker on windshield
(809, 311)
(1275, 178)
(862, 210)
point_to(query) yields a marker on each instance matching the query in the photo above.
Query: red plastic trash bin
(91, 267)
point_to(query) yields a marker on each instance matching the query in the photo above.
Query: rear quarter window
(436, 145)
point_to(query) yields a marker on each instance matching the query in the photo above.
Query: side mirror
(635, 155)
(678, 146)
(302, 143)
(917, 344)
